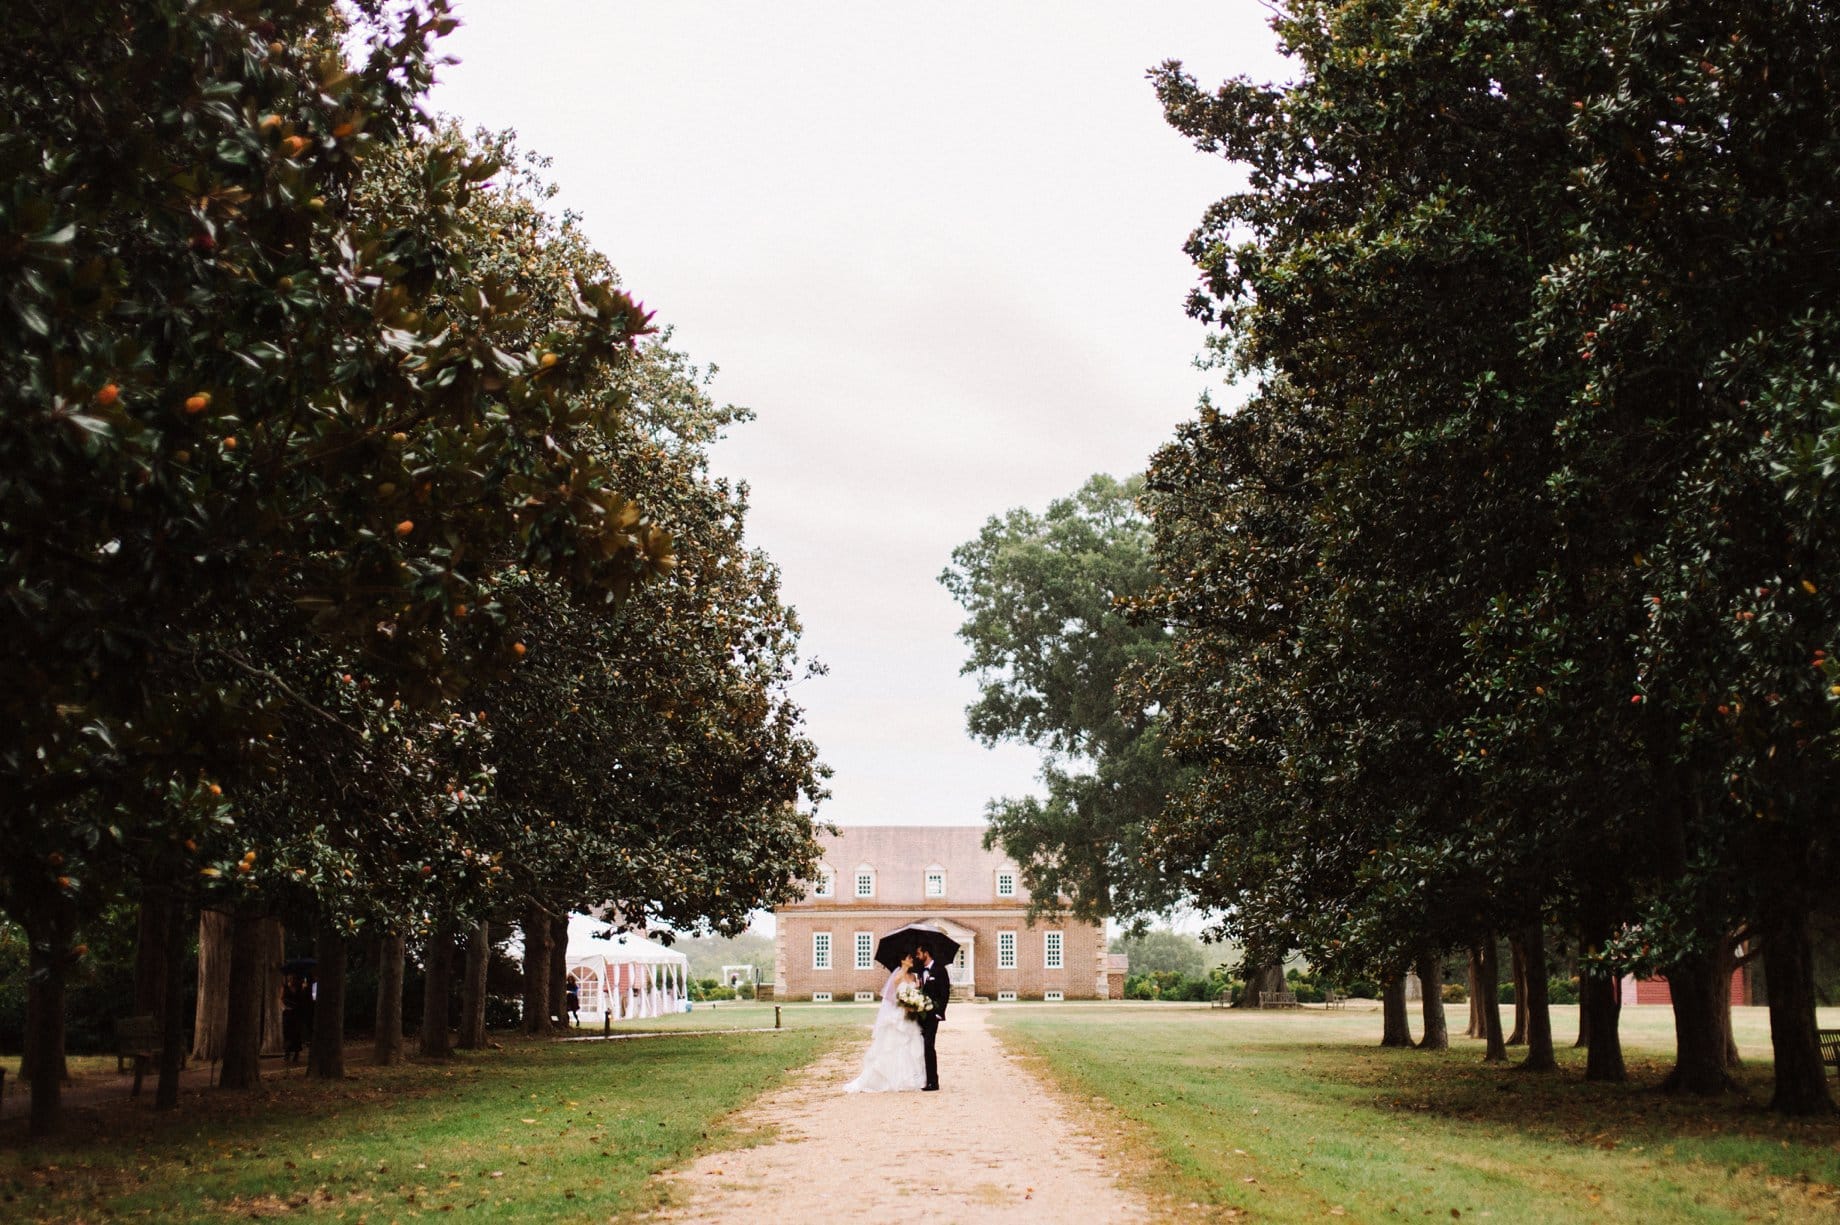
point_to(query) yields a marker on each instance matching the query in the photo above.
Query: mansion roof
(899, 859)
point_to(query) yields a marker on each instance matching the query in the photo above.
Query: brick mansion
(875, 878)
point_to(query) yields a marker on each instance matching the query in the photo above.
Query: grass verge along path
(1296, 1116)
(535, 1132)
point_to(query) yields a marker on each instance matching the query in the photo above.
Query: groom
(937, 985)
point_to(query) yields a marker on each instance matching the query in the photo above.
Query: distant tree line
(360, 566)
(1505, 604)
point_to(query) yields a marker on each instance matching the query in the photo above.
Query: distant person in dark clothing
(296, 1011)
(574, 1002)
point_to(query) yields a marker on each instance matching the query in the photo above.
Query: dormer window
(825, 885)
(935, 881)
(1006, 884)
(865, 881)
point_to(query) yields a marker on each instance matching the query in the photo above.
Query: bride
(895, 1060)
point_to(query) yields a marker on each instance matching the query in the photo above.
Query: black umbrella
(902, 941)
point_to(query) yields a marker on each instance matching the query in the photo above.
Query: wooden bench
(1334, 999)
(1223, 998)
(138, 1039)
(1277, 999)
(1830, 1047)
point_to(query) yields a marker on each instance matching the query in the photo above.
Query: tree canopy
(1058, 668)
(361, 559)
(1499, 603)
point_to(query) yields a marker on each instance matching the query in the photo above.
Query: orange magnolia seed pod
(108, 395)
(405, 527)
(198, 403)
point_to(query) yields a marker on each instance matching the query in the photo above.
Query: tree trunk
(437, 989)
(1395, 1030)
(1490, 980)
(1701, 999)
(1518, 955)
(173, 1018)
(213, 986)
(1600, 1005)
(536, 970)
(1475, 1028)
(1260, 979)
(1724, 965)
(44, 1064)
(1540, 1056)
(389, 1041)
(150, 945)
(1788, 966)
(326, 1055)
(473, 987)
(242, 1053)
(274, 953)
(559, 970)
(1585, 945)
(1431, 1003)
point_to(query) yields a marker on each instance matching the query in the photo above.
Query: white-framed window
(1006, 884)
(865, 997)
(865, 950)
(1006, 997)
(1006, 950)
(1053, 997)
(825, 885)
(820, 950)
(1051, 950)
(820, 997)
(958, 962)
(935, 882)
(865, 882)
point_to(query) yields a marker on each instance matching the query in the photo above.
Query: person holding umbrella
(922, 950)
(936, 985)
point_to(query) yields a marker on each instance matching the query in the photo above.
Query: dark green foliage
(361, 561)
(1506, 599)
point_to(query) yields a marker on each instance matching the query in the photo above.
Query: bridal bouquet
(913, 1001)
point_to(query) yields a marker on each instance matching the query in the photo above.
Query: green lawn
(536, 1132)
(745, 1014)
(1297, 1115)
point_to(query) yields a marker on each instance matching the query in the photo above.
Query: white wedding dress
(896, 1058)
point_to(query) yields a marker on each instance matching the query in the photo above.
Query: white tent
(624, 975)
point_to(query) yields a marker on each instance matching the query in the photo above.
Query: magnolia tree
(303, 396)
(1502, 603)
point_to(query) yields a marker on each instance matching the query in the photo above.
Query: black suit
(937, 984)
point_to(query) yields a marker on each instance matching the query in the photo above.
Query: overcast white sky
(936, 247)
